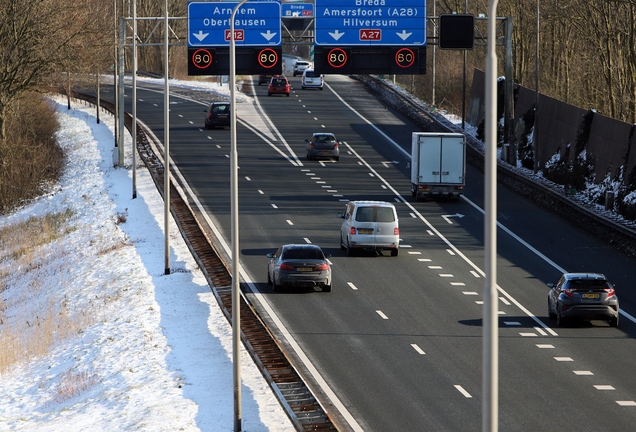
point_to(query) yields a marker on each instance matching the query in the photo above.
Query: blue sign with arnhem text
(256, 23)
(370, 22)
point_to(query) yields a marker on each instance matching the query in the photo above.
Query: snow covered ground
(153, 352)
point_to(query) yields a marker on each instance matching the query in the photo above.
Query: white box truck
(438, 165)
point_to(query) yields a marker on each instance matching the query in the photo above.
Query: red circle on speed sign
(404, 57)
(337, 57)
(267, 58)
(202, 58)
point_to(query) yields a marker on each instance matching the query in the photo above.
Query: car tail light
(459, 187)
(312, 145)
(568, 292)
(286, 267)
(322, 267)
(422, 187)
(335, 144)
(610, 292)
(396, 231)
(353, 230)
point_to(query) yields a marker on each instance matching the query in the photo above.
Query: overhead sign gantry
(370, 36)
(257, 37)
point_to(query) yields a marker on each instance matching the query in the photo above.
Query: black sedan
(304, 266)
(585, 296)
(217, 114)
(323, 145)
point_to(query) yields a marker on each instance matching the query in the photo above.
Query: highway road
(396, 346)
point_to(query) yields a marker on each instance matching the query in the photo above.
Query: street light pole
(166, 132)
(535, 133)
(236, 299)
(490, 322)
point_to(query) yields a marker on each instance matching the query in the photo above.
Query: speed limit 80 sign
(249, 61)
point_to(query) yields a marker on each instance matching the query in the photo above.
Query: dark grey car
(323, 145)
(217, 114)
(299, 265)
(585, 296)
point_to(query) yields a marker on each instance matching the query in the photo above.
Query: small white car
(300, 66)
(311, 79)
(369, 225)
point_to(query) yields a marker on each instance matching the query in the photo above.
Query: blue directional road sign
(298, 10)
(255, 24)
(370, 22)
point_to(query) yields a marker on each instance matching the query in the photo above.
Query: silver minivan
(369, 225)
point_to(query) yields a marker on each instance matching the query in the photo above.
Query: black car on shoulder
(217, 114)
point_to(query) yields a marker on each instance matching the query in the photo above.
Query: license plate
(365, 231)
(222, 116)
(591, 296)
(324, 152)
(305, 269)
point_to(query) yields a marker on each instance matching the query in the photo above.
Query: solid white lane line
(382, 315)
(462, 391)
(418, 349)
(353, 287)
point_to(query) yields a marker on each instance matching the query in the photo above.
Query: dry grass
(73, 384)
(45, 300)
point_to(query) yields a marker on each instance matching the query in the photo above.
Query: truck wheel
(394, 252)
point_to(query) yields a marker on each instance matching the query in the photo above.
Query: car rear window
(279, 82)
(587, 284)
(220, 108)
(375, 214)
(324, 138)
(303, 253)
(312, 74)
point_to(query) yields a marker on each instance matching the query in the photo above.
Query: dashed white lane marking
(310, 174)
(582, 372)
(261, 192)
(247, 178)
(181, 115)
(450, 251)
(316, 118)
(322, 164)
(474, 273)
(343, 200)
(405, 246)
(331, 190)
(413, 215)
(307, 240)
(563, 359)
(305, 170)
(289, 222)
(446, 275)
(415, 253)
(359, 163)
(353, 287)
(458, 284)
(603, 387)
(329, 262)
(397, 200)
(470, 293)
(626, 403)
(418, 349)
(315, 178)
(191, 122)
(501, 312)
(462, 391)
(323, 126)
(382, 315)
(512, 323)
(479, 302)
(424, 259)
(383, 187)
(371, 175)
(540, 331)
(338, 196)
(431, 233)
(435, 267)
(227, 156)
(504, 301)
(309, 112)
(528, 334)
(321, 182)
(545, 346)
(275, 206)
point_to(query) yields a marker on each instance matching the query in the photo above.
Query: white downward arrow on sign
(200, 35)
(336, 35)
(269, 35)
(404, 35)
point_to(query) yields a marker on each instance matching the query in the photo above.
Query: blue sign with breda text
(370, 22)
(255, 24)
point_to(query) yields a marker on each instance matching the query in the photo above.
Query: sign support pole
(236, 295)
(490, 322)
(166, 170)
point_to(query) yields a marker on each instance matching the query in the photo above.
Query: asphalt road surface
(397, 344)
